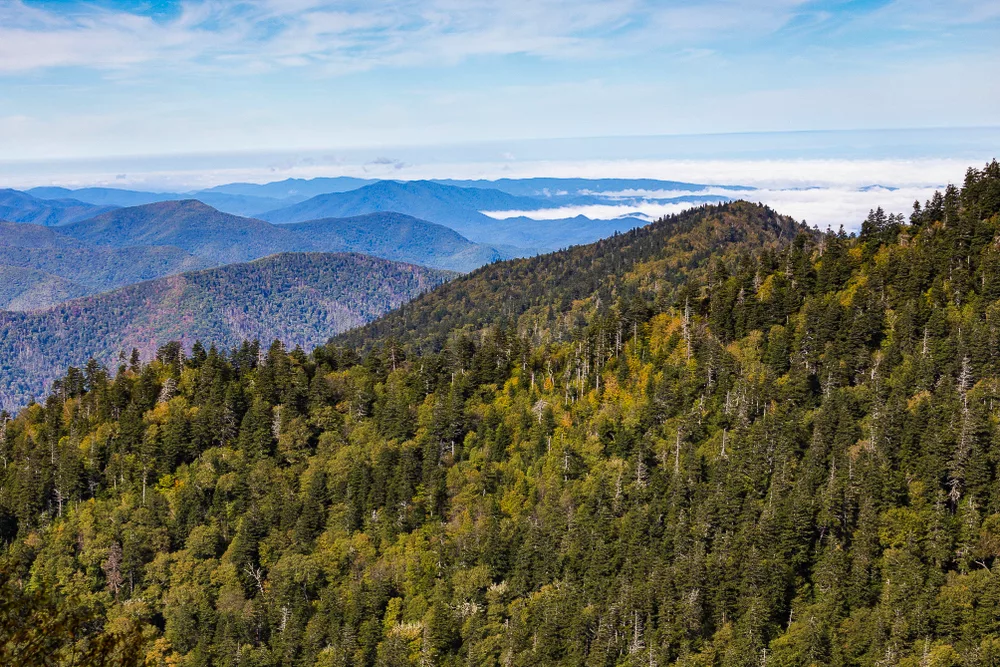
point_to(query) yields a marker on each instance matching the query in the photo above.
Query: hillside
(102, 269)
(43, 267)
(455, 207)
(722, 439)
(222, 238)
(188, 224)
(397, 237)
(300, 299)
(26, 235)
(16, 206)
(553, 284)
(55, 267)
(24, 288)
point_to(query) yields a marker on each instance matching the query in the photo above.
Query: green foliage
(39, 627)
(25, 289)
(723, 439)
(298, 298)
(81, 271)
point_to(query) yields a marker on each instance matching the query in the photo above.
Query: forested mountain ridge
(459, 208)
(778, 450)
(96, 270)
(188, 224)
(23, 288)
(16, 206)
(551, 284)
(27, 235)
(220, 237)
(44, 267)
(398, 237)
(299, 298)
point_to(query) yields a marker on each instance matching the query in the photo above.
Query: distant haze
(892, 157)
(827, 178)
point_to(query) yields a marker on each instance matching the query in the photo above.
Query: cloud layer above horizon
(99, 78)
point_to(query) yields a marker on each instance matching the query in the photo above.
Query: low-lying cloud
(818, 206)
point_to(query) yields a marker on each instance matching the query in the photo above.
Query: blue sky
(111, 78)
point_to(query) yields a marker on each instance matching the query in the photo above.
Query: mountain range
(43, 267)
(293, 190)
(455, 207)
(236, 204)
(188, 224)
(16, 206)
(222, 237)
(48, 265)
(461, 209)
(63, 244)
(567, 188)
(458, 204)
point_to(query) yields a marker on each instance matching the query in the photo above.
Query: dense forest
(297, 298)
(721, 439)
(25, 288)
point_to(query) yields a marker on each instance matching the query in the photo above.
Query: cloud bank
(820, 206)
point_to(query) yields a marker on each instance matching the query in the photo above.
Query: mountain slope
(553, 283)
(24, 288)
(27, 235)
(16, 206)
(453, 207)
(397, 237)
(103, 269)
(188, 224)
(222, 238)
(300, 299)
(52, 267)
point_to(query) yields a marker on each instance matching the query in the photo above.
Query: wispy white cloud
(821, 206)
(333, 36)
(350, 35)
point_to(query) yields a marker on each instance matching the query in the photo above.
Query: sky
(85, 80)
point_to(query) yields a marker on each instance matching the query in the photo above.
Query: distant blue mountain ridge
(44, 265)
(461, 205)
(256, 199)
(58, 243)
(16, 206)
(237, 204)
